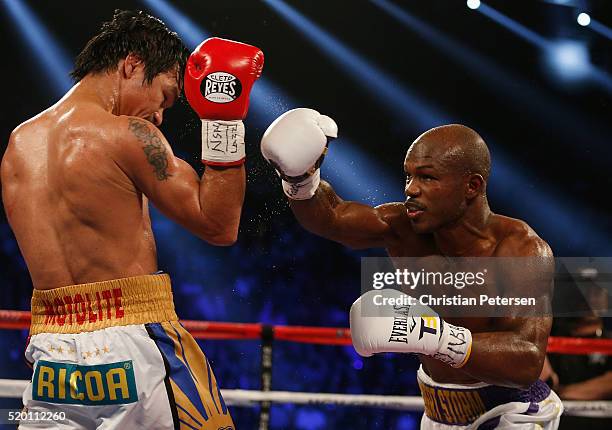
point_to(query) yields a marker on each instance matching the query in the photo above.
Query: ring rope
(316, 335)
(13, 388)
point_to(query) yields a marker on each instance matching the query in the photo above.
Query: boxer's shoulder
(517, 239)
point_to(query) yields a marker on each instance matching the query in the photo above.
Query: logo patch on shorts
(104, 384)
(221, 87)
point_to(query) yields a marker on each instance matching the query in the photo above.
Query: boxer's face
(146, 100)
(434, 190)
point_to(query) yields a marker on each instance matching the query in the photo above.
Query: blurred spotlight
(384, 88)
(54, 62)
(600, 28)
(514, 26)
(583, 19)
(191, 34)
(522, 92)
(473, 4)
(568, 59)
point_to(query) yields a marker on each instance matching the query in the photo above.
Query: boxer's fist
(218, 79)
(384, 321)
(295, 144)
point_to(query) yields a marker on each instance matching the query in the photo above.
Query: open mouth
(413, 210)
(412, 213)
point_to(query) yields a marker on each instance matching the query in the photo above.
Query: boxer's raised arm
(209, 207)
(295, 145)
(353, 224)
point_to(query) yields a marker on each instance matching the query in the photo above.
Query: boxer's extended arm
(295, 144)
(353, 224)
(520, 341)
(209, 207)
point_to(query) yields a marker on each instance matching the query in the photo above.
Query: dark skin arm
(521, 341)
(209, 207)
(352, 224)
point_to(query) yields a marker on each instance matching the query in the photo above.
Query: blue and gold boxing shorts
(113, 355)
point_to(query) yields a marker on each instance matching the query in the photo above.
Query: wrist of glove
(304, 189)
(223, 142)
(390, 321)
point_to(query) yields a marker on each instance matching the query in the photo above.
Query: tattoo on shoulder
(153, 148)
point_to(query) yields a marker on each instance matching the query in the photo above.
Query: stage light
(473, 4)
(399, 100)
(191, 34)
(569, 59)
(583, 19)
(53, 60)
(601, 29)
(525, 94)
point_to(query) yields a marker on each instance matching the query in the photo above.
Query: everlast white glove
(382, 321)
(295, 145)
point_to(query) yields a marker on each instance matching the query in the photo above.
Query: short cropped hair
(132, 32)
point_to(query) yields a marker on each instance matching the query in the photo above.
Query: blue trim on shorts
(179, 373)
(190, 416)
(212, 396)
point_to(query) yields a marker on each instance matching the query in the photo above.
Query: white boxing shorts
(113, 355)
(486, 407)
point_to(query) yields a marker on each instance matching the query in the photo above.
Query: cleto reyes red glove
(218, 80)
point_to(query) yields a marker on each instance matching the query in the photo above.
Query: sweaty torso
(409, 244)
(76, 215)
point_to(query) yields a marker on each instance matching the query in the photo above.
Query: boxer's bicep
(352, 224)
(170, 183)
(361, 226)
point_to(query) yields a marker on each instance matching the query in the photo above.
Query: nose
(158, 117)
(412, 189)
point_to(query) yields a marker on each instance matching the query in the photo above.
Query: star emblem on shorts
(60, 350)
(106, 349)
(97, 351)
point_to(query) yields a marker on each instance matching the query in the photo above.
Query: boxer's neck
(103, 89)
(468, 234)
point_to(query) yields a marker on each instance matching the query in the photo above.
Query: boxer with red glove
(105, 160)
(218, 80)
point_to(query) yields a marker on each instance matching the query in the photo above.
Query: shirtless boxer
(489, 377)
(105, 343)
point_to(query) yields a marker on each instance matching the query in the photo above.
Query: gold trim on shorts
(98, 305)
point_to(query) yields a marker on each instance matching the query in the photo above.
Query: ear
(131, 64)
(474, 186)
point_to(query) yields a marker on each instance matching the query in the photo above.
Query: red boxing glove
(218, 80)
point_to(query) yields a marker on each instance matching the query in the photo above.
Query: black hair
(132, 32)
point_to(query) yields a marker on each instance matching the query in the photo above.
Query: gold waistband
(458, 407)
(98, 305)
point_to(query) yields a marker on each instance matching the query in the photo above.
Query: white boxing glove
(390, 321)
(295, 144)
